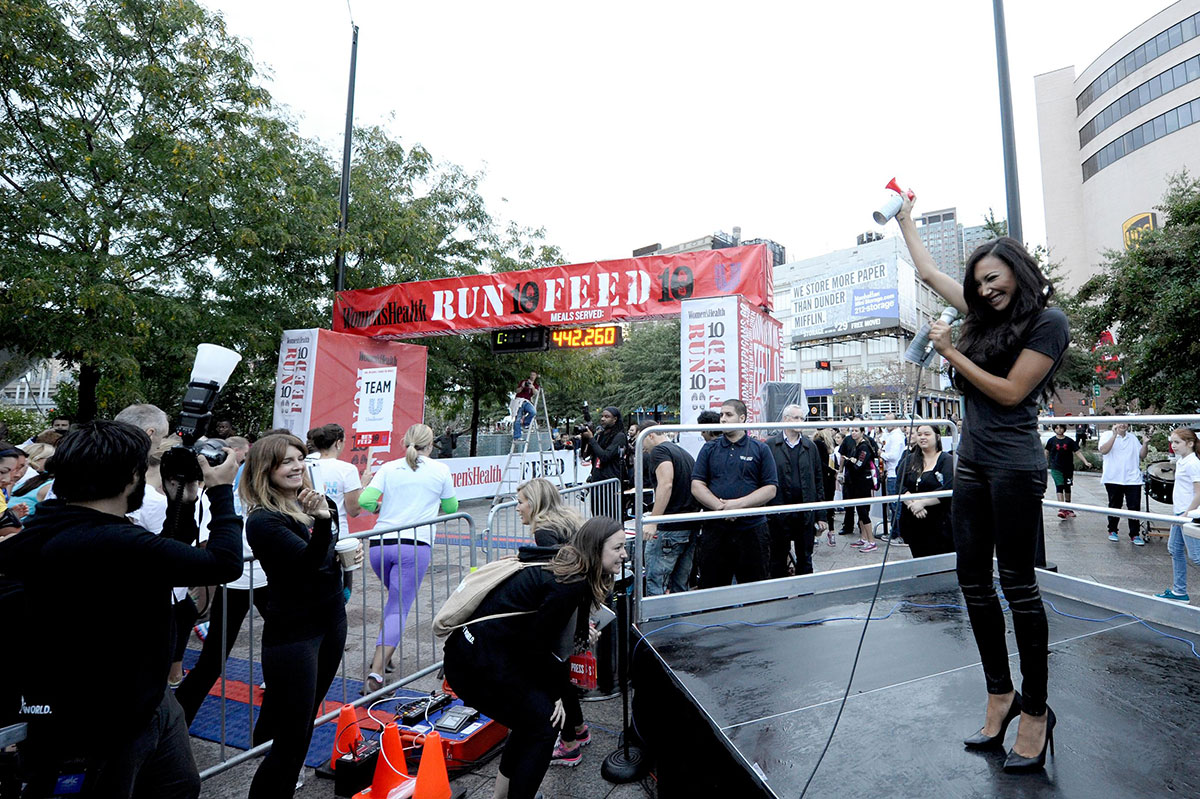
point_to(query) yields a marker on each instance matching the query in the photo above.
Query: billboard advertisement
(373, 389)
(855, 298)
(604, 291)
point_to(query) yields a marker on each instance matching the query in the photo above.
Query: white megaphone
(891, 206)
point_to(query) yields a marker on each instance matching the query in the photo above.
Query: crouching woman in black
(514, 669)
(290, 530)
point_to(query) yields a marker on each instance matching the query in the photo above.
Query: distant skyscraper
(972, 237)
(943, 237)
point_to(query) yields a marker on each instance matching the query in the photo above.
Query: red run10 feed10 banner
(602, 291)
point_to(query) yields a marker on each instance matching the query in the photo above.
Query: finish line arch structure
(729, 344)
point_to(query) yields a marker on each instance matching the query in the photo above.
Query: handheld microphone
(920, 351)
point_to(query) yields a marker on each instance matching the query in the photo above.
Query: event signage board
(374, 389)
(728, 349)
(855, 297)
(604, 291)
(480, 477)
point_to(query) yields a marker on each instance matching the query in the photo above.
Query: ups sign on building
(1136, 227)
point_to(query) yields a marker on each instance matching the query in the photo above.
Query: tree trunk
(89, 379)
(474, 418)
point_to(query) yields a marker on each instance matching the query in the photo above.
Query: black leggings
(854, 490)
(199, 681)
(522, 707)
(298, 675)
(185, 614)
(997, 510)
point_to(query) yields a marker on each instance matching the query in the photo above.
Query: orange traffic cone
(433, 782)
(344, 742)
(390, 770)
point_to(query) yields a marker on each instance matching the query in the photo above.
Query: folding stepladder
(514, 465)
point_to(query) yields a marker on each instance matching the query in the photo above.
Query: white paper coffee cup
(345, 548)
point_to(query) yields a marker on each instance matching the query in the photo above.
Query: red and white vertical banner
(760, 359)
(374, 389)
(293, 379)
(708, 360)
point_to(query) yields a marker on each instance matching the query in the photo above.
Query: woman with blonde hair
(290, 529)
(541, 509)
(411, 489)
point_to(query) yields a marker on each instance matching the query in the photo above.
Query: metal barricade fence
(417, 653)
(505, 531)
(1133, 420)
(641, 519)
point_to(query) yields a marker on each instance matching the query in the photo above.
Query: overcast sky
(623, 124)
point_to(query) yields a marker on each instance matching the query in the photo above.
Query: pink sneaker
(561, 756)
(859, 543)
(871, 547)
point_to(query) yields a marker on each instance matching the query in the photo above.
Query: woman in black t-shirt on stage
(290, 530)
(1010, 345)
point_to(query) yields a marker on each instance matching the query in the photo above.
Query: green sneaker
(1169, 594)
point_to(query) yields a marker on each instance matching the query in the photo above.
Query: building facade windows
(1160, 45)
(1149, 131)
(1173, 78)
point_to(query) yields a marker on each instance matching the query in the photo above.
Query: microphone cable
(874, 596)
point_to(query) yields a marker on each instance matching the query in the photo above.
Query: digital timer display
(584, 337)
(521, 339)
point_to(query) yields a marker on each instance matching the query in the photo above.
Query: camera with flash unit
(210, 372)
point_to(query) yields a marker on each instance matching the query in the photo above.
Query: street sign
(1095, 391)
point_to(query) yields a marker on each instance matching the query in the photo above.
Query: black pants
(1133, 501)
(299, 675)
(522, 707)
(996, 510)
(574, 712)
(185, 614)
(786, 528)
(199, 681)
(156, 764)
(853, 490)
(727, 551)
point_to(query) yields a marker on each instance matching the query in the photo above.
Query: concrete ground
(1079, 546)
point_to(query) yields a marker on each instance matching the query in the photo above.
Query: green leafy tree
(148, 198)
(1151, 297)
(647, 366)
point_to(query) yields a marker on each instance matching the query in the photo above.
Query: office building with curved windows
(1112, 136)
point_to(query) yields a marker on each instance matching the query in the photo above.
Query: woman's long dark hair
(916, 458)
(989, 334)
(581, 558)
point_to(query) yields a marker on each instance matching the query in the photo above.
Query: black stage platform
(745, 711)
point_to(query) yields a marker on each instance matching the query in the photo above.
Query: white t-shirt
(1122, 463)
(1187, 474)
(244, 581)
(336, 479)
(893, 450)
(153, 513)
(410, 496)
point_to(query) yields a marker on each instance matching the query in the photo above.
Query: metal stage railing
(417, 654)
(712, 598)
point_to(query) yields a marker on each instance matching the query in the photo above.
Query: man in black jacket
(117, 731)
(801, 479)
(606, 450)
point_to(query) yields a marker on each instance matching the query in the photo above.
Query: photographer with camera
(129, 738)
(605, 448)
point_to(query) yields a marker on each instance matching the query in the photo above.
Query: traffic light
(823, 365)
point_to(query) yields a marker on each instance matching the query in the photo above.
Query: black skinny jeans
(997, 510)
(855, 490)
(298, 675)
(199, 681)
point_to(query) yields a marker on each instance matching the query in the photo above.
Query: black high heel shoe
(981, 741)
(1016, 764)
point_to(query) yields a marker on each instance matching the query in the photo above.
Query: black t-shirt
(993, 435)
(858, 461)
(1060, 452)
(681, 500)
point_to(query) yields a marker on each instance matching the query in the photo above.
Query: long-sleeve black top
(304, 573)
(98, 587)
(605, 450)
(521, 650)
